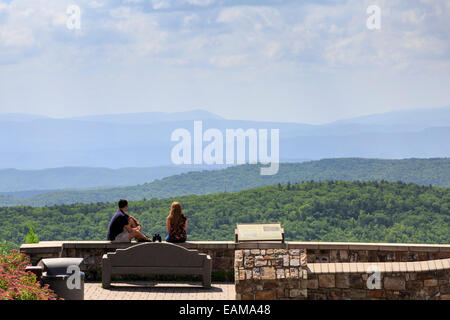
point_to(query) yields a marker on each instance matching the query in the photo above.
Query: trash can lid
(46, 277)
(58, 266)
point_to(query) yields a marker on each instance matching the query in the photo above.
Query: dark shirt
(178, 233)
(115, 227)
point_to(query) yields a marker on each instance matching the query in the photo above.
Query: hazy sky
(302, 61)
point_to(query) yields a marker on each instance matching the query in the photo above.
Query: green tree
(31, 236)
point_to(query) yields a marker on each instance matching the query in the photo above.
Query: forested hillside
(419, 171)
(311, 211)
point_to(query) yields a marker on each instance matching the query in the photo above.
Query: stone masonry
(425, 280)
(332, 270)
(270, 274)
(222, 252)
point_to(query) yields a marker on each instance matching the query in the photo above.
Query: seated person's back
(117, 224)
(123, 227)
(176, 224)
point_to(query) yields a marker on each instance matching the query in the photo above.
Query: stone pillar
(270, 274)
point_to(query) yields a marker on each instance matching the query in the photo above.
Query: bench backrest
(156, 255)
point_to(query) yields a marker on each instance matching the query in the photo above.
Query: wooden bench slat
(156, 270)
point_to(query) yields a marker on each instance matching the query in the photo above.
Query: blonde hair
(175, 214)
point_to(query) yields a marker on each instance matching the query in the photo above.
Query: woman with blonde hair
(176, 224)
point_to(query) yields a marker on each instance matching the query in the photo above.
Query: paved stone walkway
(159, 291)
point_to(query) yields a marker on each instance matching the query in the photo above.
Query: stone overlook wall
(222, 252)
(332, 271)
(270, 274)
(92, 252)
(426, 280)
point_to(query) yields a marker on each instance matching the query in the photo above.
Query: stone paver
(159, 291)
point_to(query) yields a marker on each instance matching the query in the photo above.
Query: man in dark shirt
(124, 228)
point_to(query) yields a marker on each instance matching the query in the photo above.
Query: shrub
(6, 247)
(16, 283)
(31, 236)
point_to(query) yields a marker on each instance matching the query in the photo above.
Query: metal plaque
(259, 232)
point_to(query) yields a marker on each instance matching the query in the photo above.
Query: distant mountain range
(417, 118)
(419, 171)
(32, 182)
(143, 139)
(150, 117)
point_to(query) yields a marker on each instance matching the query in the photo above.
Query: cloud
(225, 35)
(228, 61)
(284, 53)
(272, 49)
(253, 15)
(16, 37)
(95, 4)
(160, 4)
(142, 31)
(201, 3)
(26, 24)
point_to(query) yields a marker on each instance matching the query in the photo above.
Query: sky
(266, 60)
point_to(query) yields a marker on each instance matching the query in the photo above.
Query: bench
(156, 259)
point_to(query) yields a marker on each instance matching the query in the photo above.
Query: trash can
(61, 274)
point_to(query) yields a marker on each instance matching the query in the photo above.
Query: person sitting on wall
(124, 228)
(176, 224)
